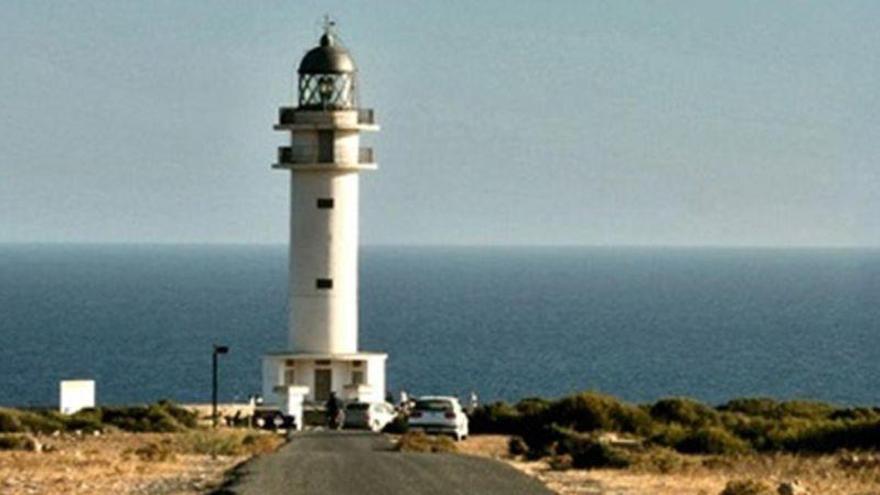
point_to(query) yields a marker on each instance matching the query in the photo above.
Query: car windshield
(433, 405)
(358, 406)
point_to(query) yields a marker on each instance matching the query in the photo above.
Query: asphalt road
(341, 463)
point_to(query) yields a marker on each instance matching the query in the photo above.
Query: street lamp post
(218, 349)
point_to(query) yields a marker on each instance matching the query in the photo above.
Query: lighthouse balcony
(297, 119)
(290, 157)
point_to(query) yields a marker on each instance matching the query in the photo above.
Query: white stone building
(325, 160)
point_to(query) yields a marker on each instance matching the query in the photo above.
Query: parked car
(273, 419)
(369, 415)
(439, 414)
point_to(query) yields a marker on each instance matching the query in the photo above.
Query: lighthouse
(324, 159)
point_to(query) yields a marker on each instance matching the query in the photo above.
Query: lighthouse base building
(324, 159)
(357, 377)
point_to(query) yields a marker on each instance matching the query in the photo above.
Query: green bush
(711, 440)
(592, 411)
(16, 441)
(669, 435)
(831, 436)
(685, 412)
(806, 409)
(154, 418)
(533, 406)
(856, 414)
(754, 406)
(588, 453)
(88, 420)
(9, 422)
(186, 417)
(517, 446)
(542, 440)
(497, 417)
(40, 422)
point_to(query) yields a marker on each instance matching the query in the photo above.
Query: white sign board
(76, 395)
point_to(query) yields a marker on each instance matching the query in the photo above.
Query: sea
(504, 322)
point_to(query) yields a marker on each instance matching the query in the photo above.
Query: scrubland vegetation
(419, 442)
(681, 446)
(162, 417)
(158, 448)
(575, 425)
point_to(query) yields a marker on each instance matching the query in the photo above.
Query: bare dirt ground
(843, 474)
(119, 463)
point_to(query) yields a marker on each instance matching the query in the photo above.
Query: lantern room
(327, 77)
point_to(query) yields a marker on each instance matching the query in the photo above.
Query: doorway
(323, 385)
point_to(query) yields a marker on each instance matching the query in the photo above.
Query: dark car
(273, 419)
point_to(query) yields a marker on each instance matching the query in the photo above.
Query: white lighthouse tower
(325, 160)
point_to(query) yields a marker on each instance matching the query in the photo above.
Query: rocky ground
(125, 463)
(843, 474)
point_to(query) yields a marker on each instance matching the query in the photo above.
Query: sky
(735, 123)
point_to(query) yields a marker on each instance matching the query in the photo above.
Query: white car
(370, 415)
(439, 414)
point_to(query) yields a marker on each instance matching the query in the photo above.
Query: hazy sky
(503, 122)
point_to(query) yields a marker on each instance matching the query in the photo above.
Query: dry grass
(696, 475)
(419, 442)
(128, 463)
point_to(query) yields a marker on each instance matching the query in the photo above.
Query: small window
(324, 283)
(289, 376)
(325, 203)
(357, 377)
(322, 362)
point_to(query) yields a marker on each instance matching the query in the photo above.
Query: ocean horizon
(508, 322)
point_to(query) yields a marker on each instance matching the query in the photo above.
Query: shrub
(154, 418)
(86, 420)
(9, 422)
(33, 422)
(806, 409)
(746, 487)
(517, 446)
(587, 453)
(669, 435)
(419, 442)
(591, 411)
(155, 452)
(685, 412)
(856, 414)
(711, 440)
(14, 441)
(771, 409)
(541, 440)
(830, 436)
(533, 406)
(185, 417)
(497, 417)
